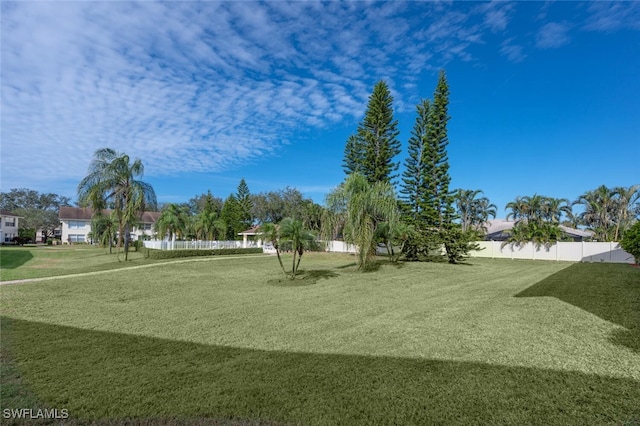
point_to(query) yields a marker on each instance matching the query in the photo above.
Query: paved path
(129, 268)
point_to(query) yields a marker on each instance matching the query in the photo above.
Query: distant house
(8, 226)
(75, 224)
(499, 230)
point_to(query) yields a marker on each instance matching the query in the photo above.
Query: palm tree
(112, 179)
(554, 208)
(293, 230)
(598, 211)
(624, 205)
(474, 212)
(172, 222)
(270, 234)
(104, 229)
(519, 209)
(361, 206)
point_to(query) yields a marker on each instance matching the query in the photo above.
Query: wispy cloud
(199, 86)
(612, 16)
(513, 52)
(209, 86)
(552, 35)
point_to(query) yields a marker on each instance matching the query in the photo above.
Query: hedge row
(173, 254)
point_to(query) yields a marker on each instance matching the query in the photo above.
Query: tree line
(417, 216)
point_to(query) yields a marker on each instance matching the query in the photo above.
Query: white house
(8, 226)
(75, 224)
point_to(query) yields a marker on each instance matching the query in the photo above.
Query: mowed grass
(17, 263)
(415, 344)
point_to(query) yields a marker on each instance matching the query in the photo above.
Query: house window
(10, 221)
(76, 224)
(146, 226)
(76, 238)
(9, 237)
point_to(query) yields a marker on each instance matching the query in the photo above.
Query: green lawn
(230, 339)
(18, 263)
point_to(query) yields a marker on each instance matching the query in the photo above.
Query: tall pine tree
(438, 201)
(353, 156)
(245, 204)
(429, 205)
(413, 179)
(372, 150)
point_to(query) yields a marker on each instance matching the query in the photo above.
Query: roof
(252, 231)
(495, 226)
(8, 213)
(86, 213)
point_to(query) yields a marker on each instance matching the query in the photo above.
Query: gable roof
(86, 213)
(8, 213)
(253, 231)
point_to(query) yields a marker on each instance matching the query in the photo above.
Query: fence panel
(196, 245)
(563, 251)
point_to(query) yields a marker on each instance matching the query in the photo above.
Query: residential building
(499, 230)
(8, 226)
(75, 224)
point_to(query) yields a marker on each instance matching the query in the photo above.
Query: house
(75, 224)
(8, 226)
(499, 230)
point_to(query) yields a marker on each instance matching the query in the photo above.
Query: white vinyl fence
(569, 251)
(196, 245)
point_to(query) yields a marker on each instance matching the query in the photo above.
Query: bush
(175, 254)
(631, 242)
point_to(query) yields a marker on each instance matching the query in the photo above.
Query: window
(10, 221)
(147, 226)
(76, 238)
(9, 237)
(76, 224)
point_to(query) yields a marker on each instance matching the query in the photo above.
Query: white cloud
(513, 52)
(205, 87)
(612, 16)
(552, 35)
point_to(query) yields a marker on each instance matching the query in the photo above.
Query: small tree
(360, 206)
(631, 242)
(294, 231)
(290, 231)
(269, 234)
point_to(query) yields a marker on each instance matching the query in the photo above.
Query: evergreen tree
(353, 156)
(372, 149)
(231, 216)
(429, 205)
(245, 204)
(413, 179)
(438, 202)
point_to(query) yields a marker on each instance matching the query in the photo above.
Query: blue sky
(545, 96)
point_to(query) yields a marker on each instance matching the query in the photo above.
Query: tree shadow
(13, 258)
(608, 290)
(347, 265)
(304, 278)
(108, 377)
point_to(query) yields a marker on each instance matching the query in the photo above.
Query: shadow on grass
(12, 258)
(99, 375)
(304, 278)
(609, 290)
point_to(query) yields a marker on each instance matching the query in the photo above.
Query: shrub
(175, 254)
(631, 242)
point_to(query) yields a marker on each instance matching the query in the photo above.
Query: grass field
(492, 341)
(18, 263)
